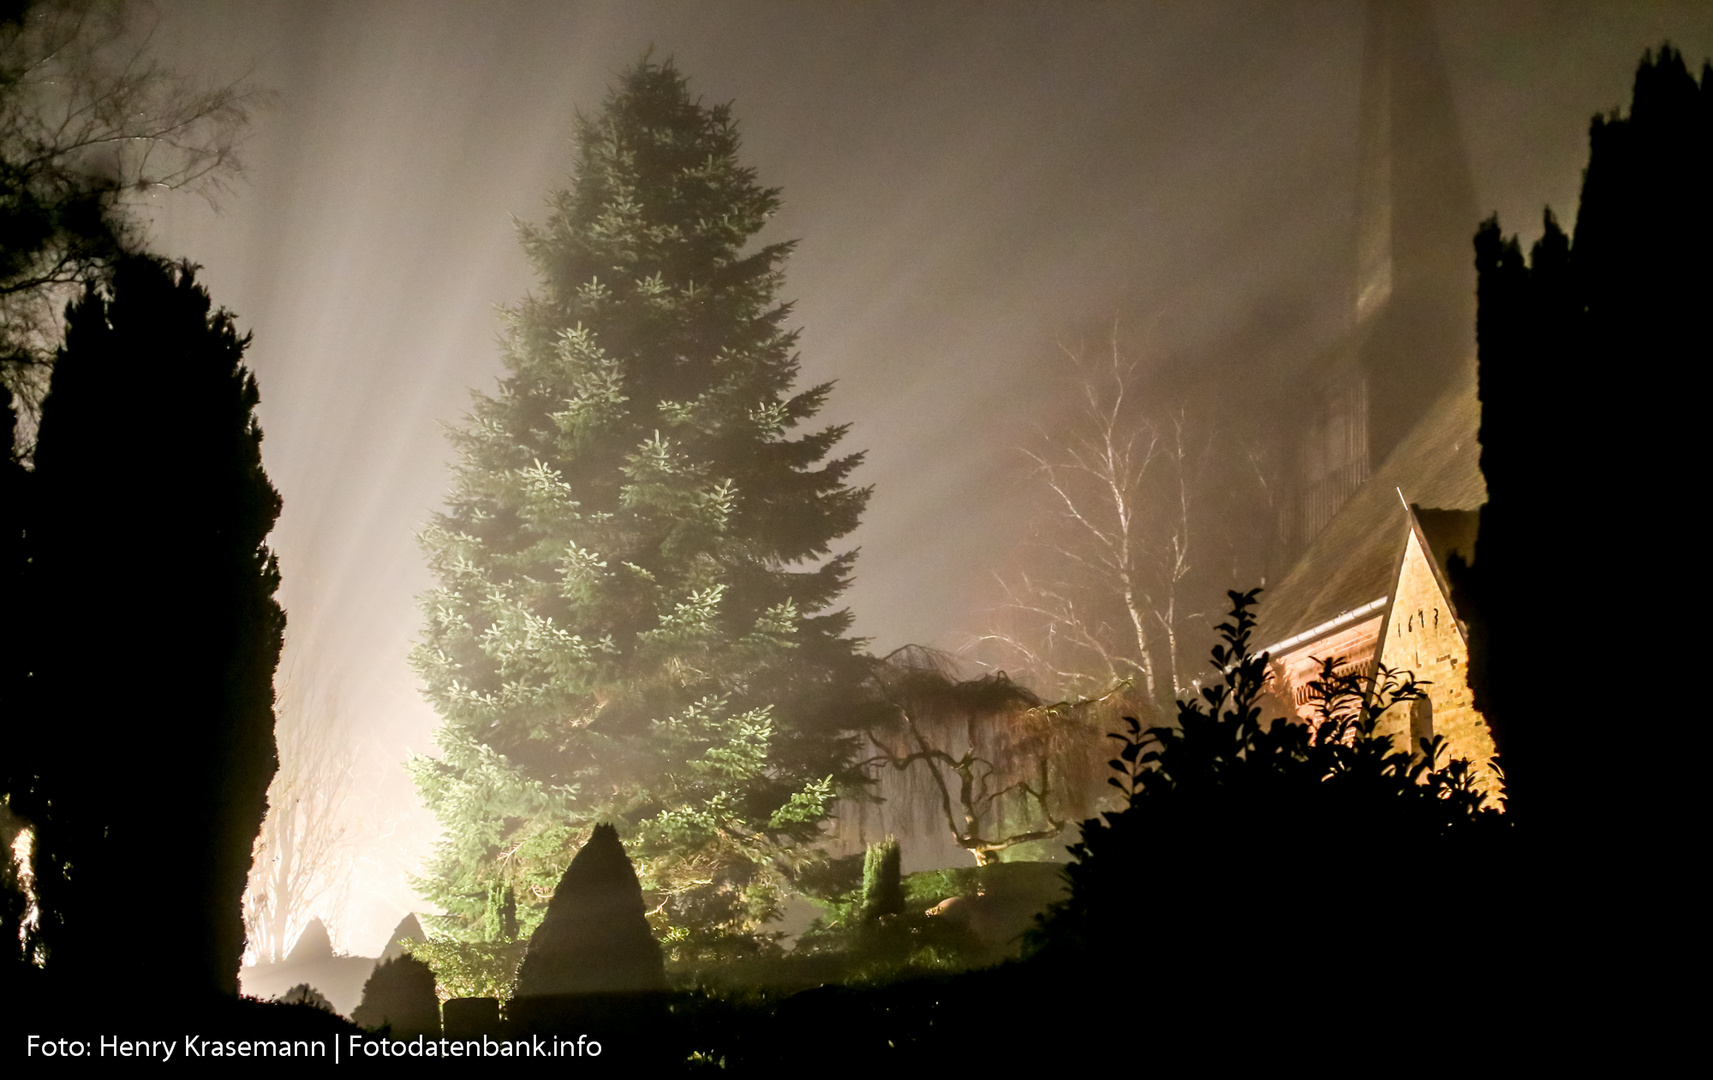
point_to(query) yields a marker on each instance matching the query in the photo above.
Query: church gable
(1423, 637)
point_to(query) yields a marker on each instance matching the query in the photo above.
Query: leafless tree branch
(1106, 601)
(91, 121)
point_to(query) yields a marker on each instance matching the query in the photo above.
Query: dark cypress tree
(1584, 352)
(14, 480)
(155, 635)
(595, 936)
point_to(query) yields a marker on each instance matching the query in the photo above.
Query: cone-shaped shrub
(313, 944)
(400, 996)
(407, 933)
(595, 937)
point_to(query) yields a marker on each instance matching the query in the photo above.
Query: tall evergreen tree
(1582, 350)
(148, 739)
(632, 622)
(14, 675)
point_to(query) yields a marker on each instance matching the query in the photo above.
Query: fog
(971, 184)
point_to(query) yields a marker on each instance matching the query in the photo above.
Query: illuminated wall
(1417, 633)
(1424, 638)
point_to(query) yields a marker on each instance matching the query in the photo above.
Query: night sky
(970, 183)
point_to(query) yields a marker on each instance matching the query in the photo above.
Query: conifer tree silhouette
(150, 723)
(1583, 349)
(14, 490)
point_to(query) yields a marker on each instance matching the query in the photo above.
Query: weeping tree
(983, 759)
(633, 620)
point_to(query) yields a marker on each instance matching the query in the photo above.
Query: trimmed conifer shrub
(399, 997)
(595, 937)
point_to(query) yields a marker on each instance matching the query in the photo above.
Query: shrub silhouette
(405, 935)
(595, 936)
(399, 996)
(306, 995)
(1239, 835)
(314, 943)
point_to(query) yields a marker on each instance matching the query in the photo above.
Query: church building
(1388, 480)
(1372, 592)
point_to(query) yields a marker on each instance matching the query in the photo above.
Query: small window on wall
(1421, 722)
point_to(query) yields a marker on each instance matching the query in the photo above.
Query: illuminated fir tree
(635, 571)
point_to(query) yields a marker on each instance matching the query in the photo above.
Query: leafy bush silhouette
(306, 995)
(1246, 842)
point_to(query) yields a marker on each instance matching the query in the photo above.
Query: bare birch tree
(1101, 597)
(304, 853)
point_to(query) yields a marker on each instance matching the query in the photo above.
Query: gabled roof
(1353, 560)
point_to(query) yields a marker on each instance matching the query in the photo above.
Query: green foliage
(891, 947)
(471, 968)
(500, 920)
(882, 887)
(999, 902)
(1226, 813)
(633, 616)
